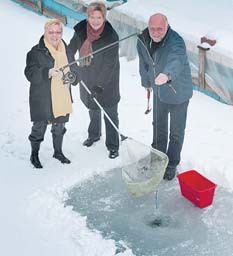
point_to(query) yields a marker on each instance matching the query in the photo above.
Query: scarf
(86, 47)
(60, 94)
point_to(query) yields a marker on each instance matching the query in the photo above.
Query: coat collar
(42, 44)
(81, 29)
(146, 39)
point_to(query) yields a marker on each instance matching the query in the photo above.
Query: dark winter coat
(38, 63)
(104, 68)
(169, 58)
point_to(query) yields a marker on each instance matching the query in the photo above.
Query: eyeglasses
(54, 32)
(158, 30)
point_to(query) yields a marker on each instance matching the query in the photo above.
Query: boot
(58, 154)
(170, 173)
(89, 142)
(35, 155)
(113, 154)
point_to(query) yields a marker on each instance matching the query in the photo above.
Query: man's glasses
(54, 32)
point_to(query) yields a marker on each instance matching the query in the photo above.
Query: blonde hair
(97, 6)
(53, 22)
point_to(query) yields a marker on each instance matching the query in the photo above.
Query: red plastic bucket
(196, 188)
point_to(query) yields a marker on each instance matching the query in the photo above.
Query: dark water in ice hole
(184, 230)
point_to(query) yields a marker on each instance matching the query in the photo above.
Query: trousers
(169, 121)
(39, 128)
(94, 128)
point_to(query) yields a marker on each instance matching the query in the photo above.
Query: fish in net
(143, 167)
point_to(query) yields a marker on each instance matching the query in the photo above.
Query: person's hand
(85, 61)
(54, 72)
(161, 79)
(98, 89)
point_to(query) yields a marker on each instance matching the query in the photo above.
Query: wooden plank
(195, 81)
(29, 3)
(55, 15)
(39, 7)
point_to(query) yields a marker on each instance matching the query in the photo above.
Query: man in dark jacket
(100, 74)
(50, 100)
(164, 67)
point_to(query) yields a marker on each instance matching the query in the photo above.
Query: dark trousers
(177, 115)
(39, 129)
(94, 129)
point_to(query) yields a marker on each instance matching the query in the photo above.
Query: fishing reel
(69, 77)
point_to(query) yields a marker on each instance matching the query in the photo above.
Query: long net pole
(105, 113)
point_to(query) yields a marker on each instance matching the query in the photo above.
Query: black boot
(58, 154)
(61, 158)
(35, 155)
(89, 142)
(170, 173)
(113, 154)
(35, 160)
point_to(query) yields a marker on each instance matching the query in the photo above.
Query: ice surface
(133, 222)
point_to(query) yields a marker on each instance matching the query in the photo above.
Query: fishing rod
(97, 51)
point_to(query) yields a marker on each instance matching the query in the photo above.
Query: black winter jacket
(38, 63)
(169, 58)
(104, 68)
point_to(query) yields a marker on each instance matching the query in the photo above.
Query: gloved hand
(98, 89)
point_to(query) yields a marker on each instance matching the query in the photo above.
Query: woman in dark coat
(100, 73)
(50, 101)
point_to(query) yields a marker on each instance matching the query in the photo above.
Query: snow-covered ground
(33, 219)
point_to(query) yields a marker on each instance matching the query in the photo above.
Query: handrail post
(203, 48)
(201, 66)
(40, 6)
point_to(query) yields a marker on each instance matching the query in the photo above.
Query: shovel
(148, 102)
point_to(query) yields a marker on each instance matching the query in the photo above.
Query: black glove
(98, 89)
(69, 78)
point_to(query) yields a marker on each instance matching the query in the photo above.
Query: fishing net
(143, 167)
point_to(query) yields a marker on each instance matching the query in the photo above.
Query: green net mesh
(143, 167)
